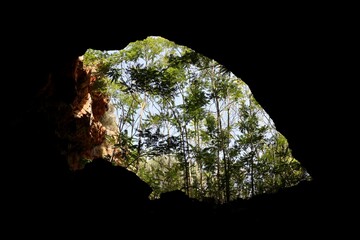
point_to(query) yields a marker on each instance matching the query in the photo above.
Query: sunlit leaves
(190, 123)
(151, 80)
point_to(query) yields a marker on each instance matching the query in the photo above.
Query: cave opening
(180, 121)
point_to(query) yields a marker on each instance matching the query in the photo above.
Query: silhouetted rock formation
(101, 180)
(109, 190)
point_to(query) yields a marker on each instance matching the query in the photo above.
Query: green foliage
(185, 122)
(163, 174)
(151, 80)
(210, 123)
(100, 85)
(157, 144)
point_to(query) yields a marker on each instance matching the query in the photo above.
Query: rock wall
(78, 129)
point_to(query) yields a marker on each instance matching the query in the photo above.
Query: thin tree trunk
(143, 104)
(252, 159)
(219, 148)
(227, 163)
(187, 162)
(200, 163)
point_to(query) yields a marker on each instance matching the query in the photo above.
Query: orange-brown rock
(78, 116)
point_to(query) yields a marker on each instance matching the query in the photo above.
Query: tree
(183, 116)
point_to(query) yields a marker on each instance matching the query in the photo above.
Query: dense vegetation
(185, 122)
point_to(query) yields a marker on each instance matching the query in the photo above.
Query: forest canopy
(183, 121)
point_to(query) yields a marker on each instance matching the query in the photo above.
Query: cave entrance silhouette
(180, 120)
